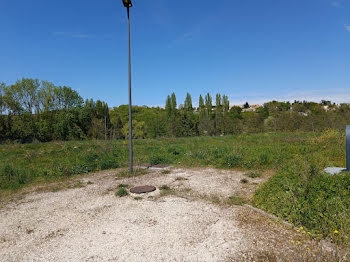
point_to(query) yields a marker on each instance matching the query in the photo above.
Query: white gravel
(92, 224)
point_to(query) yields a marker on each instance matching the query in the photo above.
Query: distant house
(303, 113)
(252, 108)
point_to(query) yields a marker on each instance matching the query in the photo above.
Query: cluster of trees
(38, 110)
(33, 110)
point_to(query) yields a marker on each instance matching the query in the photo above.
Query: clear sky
(250, 50)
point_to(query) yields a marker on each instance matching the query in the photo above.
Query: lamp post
(128, 4)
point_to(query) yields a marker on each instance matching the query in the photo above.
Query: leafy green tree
(225, 103)
(253, 122)
(156, 126)
(206, 122)
(187, 120)
(173, 116)
(168, 107)
(2, 98)
(47, 96)
(218, 123)
(26, 91)
(188, 103)
(208, 104)
(236, 110)
(139, 130)
(173, 102)
(66, 97)
(3, 128)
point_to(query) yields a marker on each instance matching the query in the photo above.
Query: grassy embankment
(299, 192)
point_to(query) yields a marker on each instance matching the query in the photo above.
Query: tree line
(33, 110)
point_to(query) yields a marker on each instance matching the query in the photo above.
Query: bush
(122, 192)
(302, 194)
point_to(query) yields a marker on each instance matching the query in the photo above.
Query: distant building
(252, 108)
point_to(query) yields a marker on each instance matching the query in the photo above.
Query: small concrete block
(334, 170)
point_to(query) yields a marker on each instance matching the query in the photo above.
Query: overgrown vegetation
(22, 164)
(304, 195)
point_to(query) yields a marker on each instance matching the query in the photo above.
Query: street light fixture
(128, 4)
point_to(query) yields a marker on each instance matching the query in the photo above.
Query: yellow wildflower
(301, 228)
(298, 242)
(298, 230)
(336, 232)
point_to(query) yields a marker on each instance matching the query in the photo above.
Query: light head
(127, 3)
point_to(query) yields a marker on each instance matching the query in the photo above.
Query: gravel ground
(89, 223)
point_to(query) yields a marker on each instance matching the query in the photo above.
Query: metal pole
(130, 105)
(348, 148)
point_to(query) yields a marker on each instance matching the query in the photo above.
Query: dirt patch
(91, 224)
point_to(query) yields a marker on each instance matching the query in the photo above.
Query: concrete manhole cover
(142, 189)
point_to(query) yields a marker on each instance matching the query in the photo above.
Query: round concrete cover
(142, 189)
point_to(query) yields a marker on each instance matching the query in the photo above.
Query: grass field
(299, 192)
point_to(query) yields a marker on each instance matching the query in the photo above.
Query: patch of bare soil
(89, 223)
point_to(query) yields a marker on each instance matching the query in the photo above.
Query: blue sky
(250, 50)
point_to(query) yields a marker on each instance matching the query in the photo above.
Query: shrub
(122, 192)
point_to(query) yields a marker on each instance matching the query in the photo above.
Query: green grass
(304, 195)
(22, 164)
